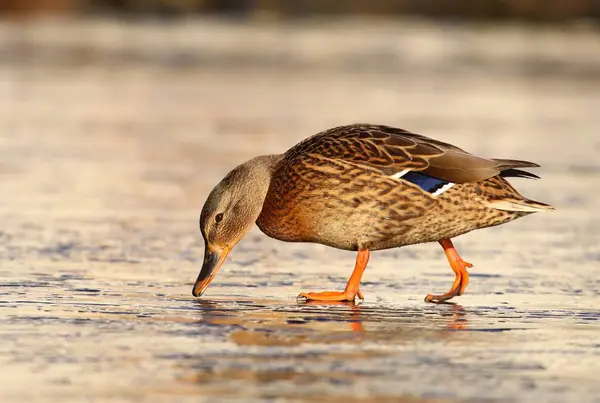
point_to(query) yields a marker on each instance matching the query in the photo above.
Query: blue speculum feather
(425, 182)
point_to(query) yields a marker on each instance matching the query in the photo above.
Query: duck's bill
(213, 259)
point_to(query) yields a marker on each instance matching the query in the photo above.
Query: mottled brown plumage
(349, 188)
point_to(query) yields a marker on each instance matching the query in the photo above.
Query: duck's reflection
(456, 314)
(353, 312)
(306, 343)
(458, 320)
(268, 322)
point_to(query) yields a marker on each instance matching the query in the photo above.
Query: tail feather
(508, 164)
(512, 199)
(517, 173)
(524, 206)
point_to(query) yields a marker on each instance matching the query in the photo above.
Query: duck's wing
(396, 152)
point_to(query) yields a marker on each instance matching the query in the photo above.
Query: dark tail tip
(518, 173)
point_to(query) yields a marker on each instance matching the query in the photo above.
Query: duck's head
(229, 212)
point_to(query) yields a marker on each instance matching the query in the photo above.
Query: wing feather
(392, 150)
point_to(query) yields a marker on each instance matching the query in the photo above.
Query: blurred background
(117, 117)
(527, 10)
(145, 83)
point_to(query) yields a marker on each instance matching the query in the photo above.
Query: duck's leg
(351, 290)
(459, 267)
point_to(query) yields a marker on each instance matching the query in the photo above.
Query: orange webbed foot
(436, 298)
(461, 278)
(352, 287)
(331, 296)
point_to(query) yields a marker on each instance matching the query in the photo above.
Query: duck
(363, 188)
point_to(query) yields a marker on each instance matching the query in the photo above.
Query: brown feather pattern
(336, 188)
(392, 150)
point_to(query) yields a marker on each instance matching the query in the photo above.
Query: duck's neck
(254, 177)
(260, 171)
(268, 220)
(264, 165)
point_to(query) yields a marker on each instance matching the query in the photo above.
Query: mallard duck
(363, 188)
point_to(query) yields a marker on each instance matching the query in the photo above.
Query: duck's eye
(219, 217)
